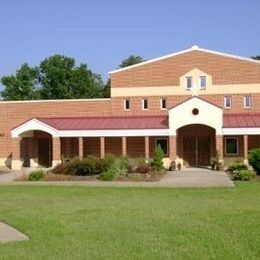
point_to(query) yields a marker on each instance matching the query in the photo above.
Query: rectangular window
(145, 104)
(163, 103)
(127, 104)
(247, 102)
(188, 82)
(163, 142)
(231, 145)
(203, 82)
(227, 102)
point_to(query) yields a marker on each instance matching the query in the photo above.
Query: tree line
(57, 77)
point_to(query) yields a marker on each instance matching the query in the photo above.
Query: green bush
(254, 159)
(157, 163)
(88, 166)
(117, 165)
(237, 165)
(36, 175)
(244, 175)
(107, 176)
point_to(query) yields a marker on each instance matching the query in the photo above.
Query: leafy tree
(131, 60)
(22, 85)
(106, 89)
(256, 57)
(57, 77)
(60, 78)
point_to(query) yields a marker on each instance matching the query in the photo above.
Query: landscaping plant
(243, 175)
(36, 175)
(254, 159)
(157, 163)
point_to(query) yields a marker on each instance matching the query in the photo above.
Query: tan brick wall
(166, 72)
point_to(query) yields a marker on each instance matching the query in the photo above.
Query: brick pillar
(146, 148)
(124, 146)
(246, 149)
(102, 147)
(56, 151)
(81, 150)
(16, 154)
(173, 147)
(219, 147)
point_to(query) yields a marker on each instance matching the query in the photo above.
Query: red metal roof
(241, 120)
(96, 123)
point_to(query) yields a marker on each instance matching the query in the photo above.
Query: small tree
(254, 159)
(157, 163)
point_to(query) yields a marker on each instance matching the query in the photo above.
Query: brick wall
(166, 72)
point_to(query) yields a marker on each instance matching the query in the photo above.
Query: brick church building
(193, 103)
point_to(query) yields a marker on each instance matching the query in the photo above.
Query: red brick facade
(224, 70)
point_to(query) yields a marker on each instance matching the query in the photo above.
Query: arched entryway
(36, 149)
(196, 144)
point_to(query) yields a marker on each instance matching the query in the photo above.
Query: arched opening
(36, 149)
(196, 144)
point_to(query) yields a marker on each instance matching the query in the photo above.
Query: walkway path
(189, 177)
(10, 234)
(197, 177)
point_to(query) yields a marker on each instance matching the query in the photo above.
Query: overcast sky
(102, 33)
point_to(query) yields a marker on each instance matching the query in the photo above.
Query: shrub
(36, 175)
(243, 175)
(157, 163)
(87, 166)
(119, 165)
(254, 159)
(59, 168)
(134, 163)
(237, 165)
(143, 169)
(107, 176)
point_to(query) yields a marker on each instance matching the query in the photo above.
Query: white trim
(250, 101)
(114, 133)
(56, 100)
(32, 125)
(230, 154)
(225, 102)
(200, 78)
(182, 52)
(161, 102)
(125, 100)
(186, 83)
(143, 108)
(241, 131)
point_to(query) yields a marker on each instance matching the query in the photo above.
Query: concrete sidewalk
(188, 177)
(197, 177)
(10, 234)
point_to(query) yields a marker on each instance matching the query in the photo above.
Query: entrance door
(196, 151)
(44, 152)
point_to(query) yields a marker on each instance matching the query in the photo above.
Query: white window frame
(250, 101)
(225, 102)
(234, 138)
(143, 100)
(161, 103)
(127, 109)
(187, 80)
(203, 77)
(155, 144)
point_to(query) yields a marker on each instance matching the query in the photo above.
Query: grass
(132, 223)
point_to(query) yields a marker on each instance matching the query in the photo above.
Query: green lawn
(132, 223)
